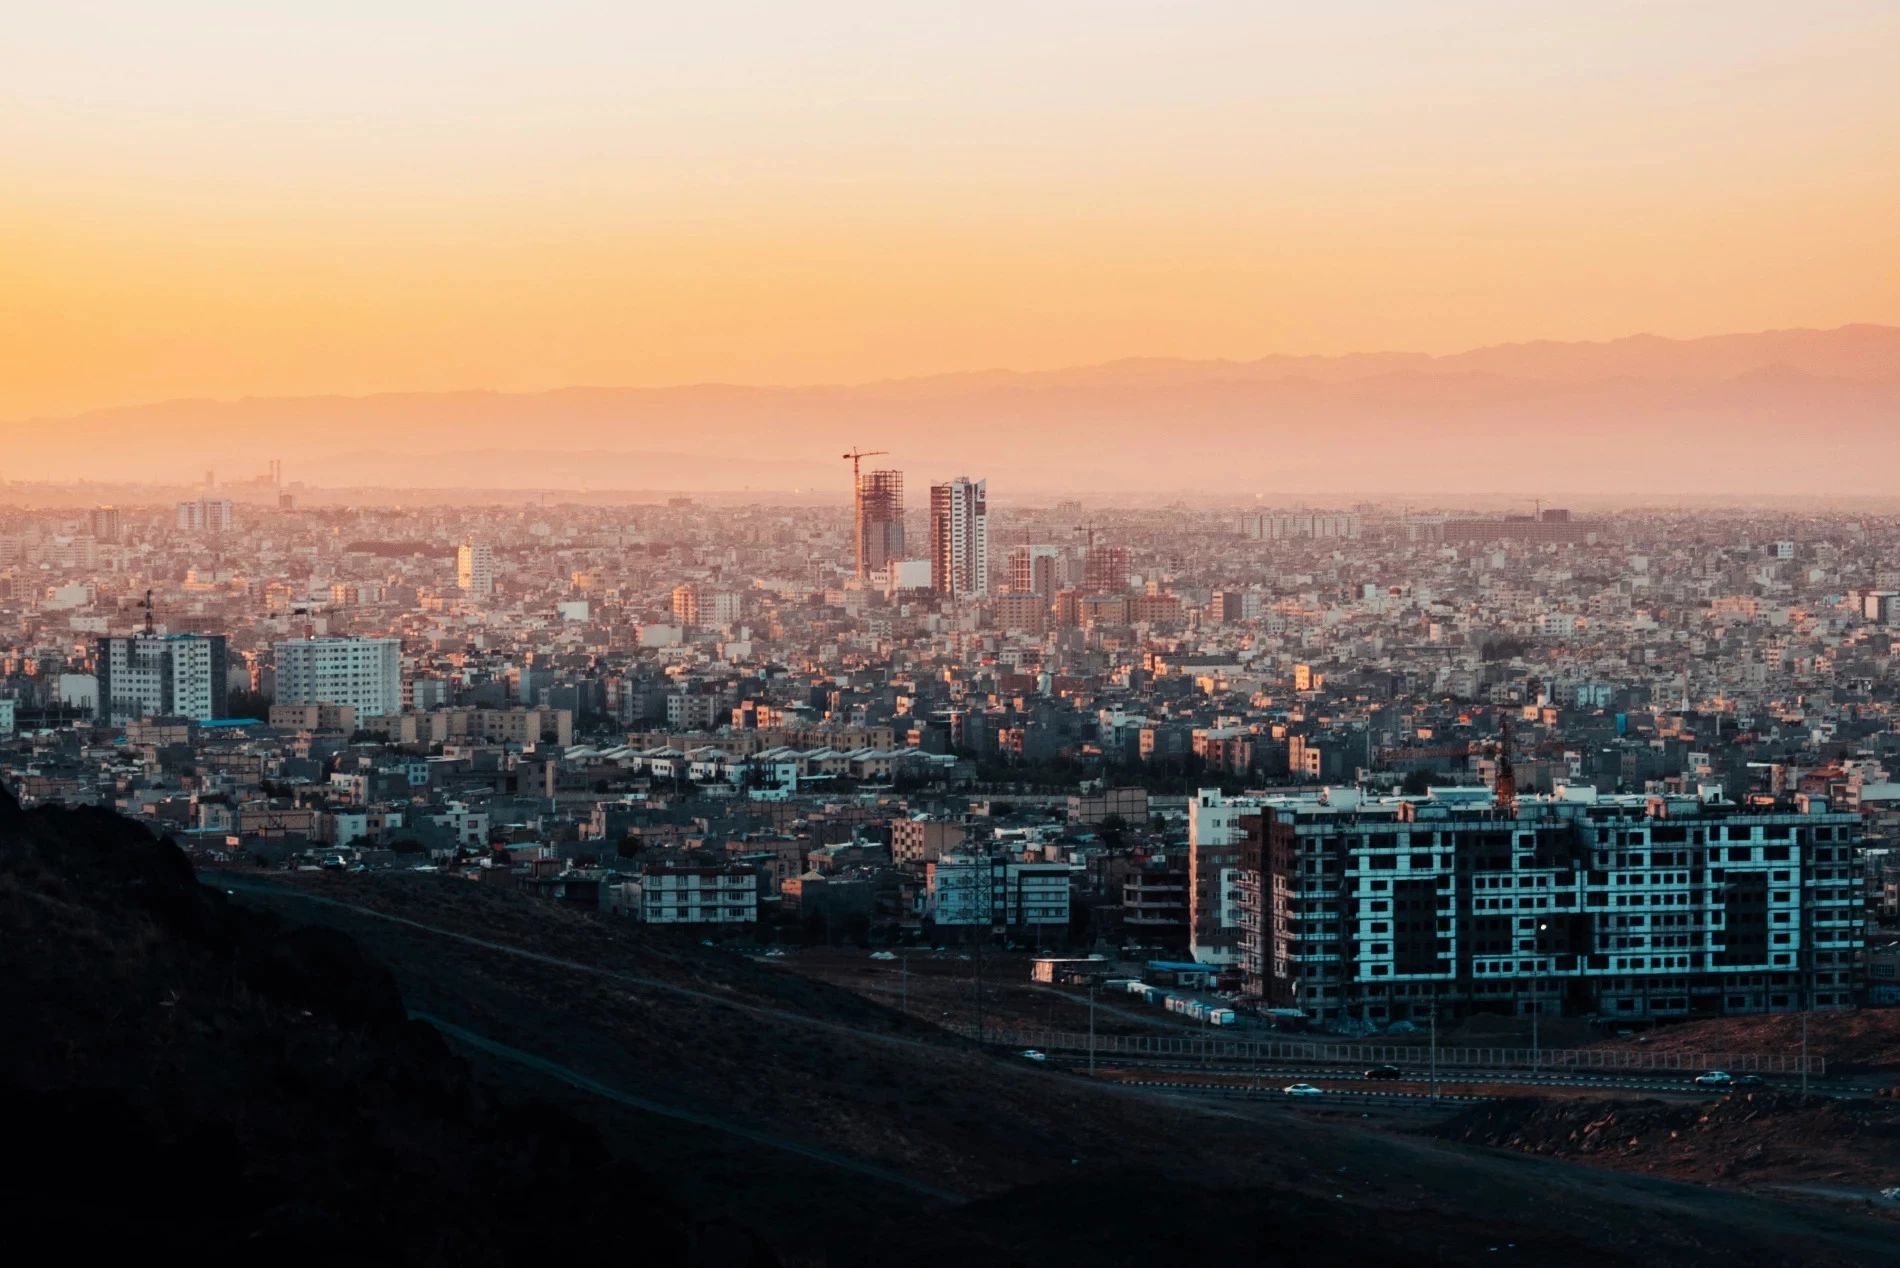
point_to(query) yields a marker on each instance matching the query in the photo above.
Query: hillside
(235, 1072)
(1041, 1159)
(1763, 1141)
(186, 1079)
(1855, 1041)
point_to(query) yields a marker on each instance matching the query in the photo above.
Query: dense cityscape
(1248, 738)
(844, 635)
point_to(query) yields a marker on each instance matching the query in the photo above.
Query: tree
(1417, 784)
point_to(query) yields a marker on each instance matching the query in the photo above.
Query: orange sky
(205, 198)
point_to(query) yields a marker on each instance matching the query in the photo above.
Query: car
(1301, 1089)
(883, 955)
(1748, 1080)
(1714, 1078)
(1385, 1072)
(1030, 1054)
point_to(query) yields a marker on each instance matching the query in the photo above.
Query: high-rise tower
(960, 538)
(475, 568)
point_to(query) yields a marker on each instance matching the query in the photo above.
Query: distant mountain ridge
(1620, 415)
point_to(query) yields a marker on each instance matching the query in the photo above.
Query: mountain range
(1809, 412)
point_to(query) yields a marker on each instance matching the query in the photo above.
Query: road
(1295, 1073)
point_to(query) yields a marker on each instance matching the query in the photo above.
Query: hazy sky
(224, 199)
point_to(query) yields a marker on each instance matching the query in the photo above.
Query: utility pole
(1091, 1028)
(1434, 1046)
(977, 952)
(1804, 1054)
(904, 990)
(1537, 1001)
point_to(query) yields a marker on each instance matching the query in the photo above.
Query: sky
(222, 199)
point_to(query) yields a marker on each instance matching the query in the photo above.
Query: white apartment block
(363, 673)
(475, 569)
(671, 895)
(206, 515)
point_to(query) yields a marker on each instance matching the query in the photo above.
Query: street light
(1537, 1002)
(1091, 1027)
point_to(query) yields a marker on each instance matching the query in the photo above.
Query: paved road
(1292, 1073)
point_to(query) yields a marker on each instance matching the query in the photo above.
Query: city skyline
(940, 634)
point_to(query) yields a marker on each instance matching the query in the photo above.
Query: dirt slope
(1049, 1162)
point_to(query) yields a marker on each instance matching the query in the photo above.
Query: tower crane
(856, 454)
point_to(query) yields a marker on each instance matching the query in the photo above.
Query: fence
(1556, 1059)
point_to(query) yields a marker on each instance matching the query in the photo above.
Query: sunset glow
(214, 199)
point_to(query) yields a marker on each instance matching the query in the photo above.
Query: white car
(1714, 1078)
(1030, 1054)
(883, 955)
(1301, 1089)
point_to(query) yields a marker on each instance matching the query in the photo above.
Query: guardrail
(1403, 1054)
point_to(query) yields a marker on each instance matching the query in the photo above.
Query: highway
(1294, 1073)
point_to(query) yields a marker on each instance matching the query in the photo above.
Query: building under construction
(880, 520)
(1106, 569)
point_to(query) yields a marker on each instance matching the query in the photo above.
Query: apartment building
(1625, 906)
(671, 894)
(960, 538)
(363, 673)
(974, 890)
(1215, 839)
(475, 569)
(162, 675)
(924, 840)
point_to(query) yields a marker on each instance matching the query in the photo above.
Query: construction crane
(857, 501)
(856, 454)
(150, 627)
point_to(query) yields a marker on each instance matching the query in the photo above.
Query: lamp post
(1537, 1002)
(1091, 1027)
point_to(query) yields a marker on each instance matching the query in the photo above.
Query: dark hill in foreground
(182, 1077)
(193, 1074)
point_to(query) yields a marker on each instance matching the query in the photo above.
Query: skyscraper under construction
(880, 524)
